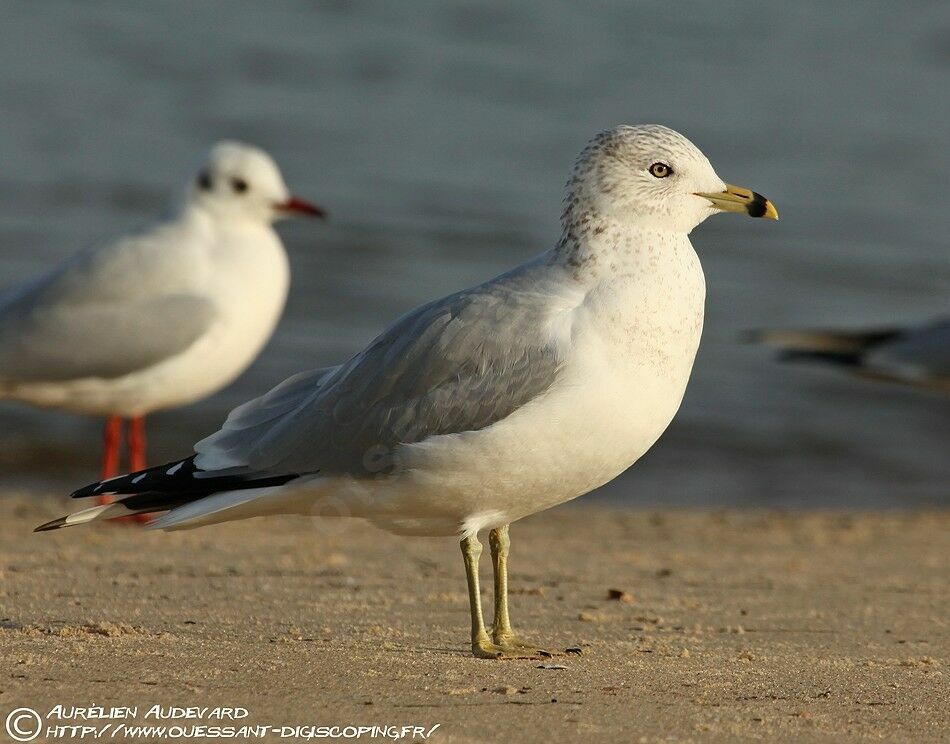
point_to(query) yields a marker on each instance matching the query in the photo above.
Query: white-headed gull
(493, 403)
(917, 355)
(161, 318)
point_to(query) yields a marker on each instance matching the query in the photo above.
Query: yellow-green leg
(482, 646)
(502, 633)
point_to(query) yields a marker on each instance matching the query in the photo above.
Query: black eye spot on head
(660, 170)
(204, 181)
(239, 185)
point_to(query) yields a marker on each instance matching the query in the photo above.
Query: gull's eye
(204, 181)
(239, 185)
(660, 170)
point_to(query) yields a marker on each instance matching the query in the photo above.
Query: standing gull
(162, 318)
(917, 355)
(493, 403)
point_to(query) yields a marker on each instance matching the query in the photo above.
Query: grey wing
(109, 311)
(46, 339)
(252, 420)
(459, 364)
(919, 355)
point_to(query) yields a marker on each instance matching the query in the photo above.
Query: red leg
(137, 443)
(137, 455)
(112, 438)
(111, 441)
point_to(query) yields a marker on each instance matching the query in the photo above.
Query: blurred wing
(920, 355)
(109, 311)
(459, 364)
(914, 356)
(65, 341)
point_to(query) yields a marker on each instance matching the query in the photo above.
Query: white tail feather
(103, 511)
(220, 507)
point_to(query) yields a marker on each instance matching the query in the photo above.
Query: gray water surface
(439, 136)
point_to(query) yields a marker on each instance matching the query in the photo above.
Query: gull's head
(238, 181)
(652, 176)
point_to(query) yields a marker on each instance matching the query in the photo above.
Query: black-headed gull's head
(242, 181)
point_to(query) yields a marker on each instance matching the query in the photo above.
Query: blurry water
(439, 135)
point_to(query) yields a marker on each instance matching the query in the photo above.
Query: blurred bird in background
(916, 355)
(162, 318)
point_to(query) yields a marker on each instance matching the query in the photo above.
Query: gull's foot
(516, 647)
(485, 649)
(505, 647)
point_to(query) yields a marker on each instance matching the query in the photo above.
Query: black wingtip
(140, 480)
(85, 491)
(108, 486)
(54, 525)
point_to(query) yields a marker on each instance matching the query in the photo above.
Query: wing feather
(458, 364)
(109, 311)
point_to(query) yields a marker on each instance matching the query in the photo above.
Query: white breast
(248, 282)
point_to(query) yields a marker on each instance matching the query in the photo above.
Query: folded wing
(459, 364)
(108, 312)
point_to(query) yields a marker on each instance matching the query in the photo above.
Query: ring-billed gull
(917, 355)
(493, 403)
(158, 319)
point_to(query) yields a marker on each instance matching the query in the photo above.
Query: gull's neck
(593, 245)
(200, 214)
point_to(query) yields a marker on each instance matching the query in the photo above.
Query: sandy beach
(724, 626)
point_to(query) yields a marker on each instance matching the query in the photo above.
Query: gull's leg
(137, 443)
(111, 436)
(482, 646)
(502, 633)
(111, 446)
(111, 452)
(499, 542)
(137, 457)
